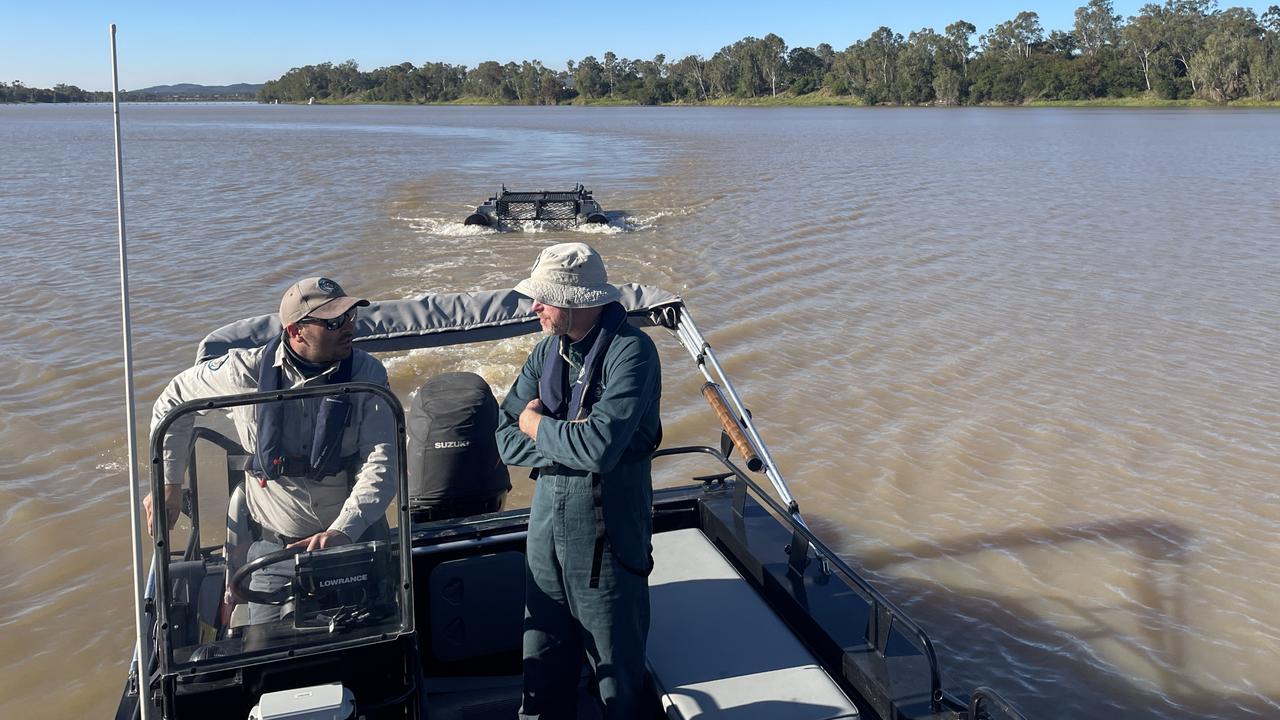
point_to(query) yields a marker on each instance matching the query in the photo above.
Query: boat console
(239, 610)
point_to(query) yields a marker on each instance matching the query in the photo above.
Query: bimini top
(435, 320)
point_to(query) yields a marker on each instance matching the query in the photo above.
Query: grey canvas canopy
(434, 320)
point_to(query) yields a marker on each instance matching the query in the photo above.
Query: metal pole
(143, 650)
(690, 337)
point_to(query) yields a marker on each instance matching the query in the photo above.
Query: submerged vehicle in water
(560, 208)
(752, 615)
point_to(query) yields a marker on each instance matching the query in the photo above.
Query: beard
(559, 325)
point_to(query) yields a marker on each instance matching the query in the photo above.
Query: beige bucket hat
(569, 275)
(317, 297)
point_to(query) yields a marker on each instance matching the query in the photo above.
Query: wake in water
(619, 222)
(498, 363)
(445, 228)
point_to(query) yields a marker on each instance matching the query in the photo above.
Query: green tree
(1097, 26)
(1005, 72)
(1221, 67)
(1264, 66)
(653, 87)
(959, 45)
(951, 66)
(805, 69)
(610, 67)
(1271, 20)
(746, 55)
(1062, 44)
(1185, 29)
(589, 79)
(1144, 36)
(690, 76)
(883, 48)
(1014, 39)
(486, 81)
(849, 74)
(345, 79)
(439, 82)
(916, 61)
(772, 52)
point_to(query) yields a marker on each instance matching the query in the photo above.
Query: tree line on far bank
(17, 92)
(1181, 49)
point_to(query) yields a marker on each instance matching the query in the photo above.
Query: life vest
(572, 403)
(565, 401)
(268, 462)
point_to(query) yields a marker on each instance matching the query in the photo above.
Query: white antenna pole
(143, 652)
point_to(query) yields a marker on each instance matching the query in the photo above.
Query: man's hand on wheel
(322, 540)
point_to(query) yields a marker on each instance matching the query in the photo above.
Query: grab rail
(881, 606)
(985, 696)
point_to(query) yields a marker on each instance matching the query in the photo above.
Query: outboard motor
(454, 467)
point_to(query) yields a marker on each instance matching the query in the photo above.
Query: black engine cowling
(454, 467)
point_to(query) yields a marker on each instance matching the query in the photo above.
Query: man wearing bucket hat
(318, 473)
(584, 413)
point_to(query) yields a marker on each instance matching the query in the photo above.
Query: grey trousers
(268, 579)
(565, 619)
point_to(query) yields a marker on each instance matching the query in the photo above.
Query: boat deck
(702, 664)
(490, 698)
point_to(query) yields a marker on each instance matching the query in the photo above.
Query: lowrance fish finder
(345, 585)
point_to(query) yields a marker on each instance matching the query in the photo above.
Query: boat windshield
(292, 549)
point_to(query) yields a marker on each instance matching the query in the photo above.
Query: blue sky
(217, 43)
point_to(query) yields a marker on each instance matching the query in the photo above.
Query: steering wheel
(240, 579)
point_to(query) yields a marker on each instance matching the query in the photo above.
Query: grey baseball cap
(317, 297)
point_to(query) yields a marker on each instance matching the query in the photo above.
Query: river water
(1019, 366)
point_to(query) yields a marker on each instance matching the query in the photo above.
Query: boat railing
(884, 618)
(986, 704)
(741, 432)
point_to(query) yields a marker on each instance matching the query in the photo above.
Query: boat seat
(196, 590)
(716, 649)
(235, 549)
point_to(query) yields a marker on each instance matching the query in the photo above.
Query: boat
(558, 208)
(752, 615)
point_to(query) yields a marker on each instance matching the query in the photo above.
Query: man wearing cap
(319, 472)
(584, 413)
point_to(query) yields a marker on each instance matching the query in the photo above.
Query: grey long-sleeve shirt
(293, 506)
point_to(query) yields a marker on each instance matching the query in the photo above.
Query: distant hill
(190, 90)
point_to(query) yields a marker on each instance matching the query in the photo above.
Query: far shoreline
(845, 101)
(810, 100)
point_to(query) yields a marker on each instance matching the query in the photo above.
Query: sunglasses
(331, 325)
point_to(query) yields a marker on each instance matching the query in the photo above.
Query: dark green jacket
(615, 440)
(621, 428)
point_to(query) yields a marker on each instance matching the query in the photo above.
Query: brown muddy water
(1019, 366)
